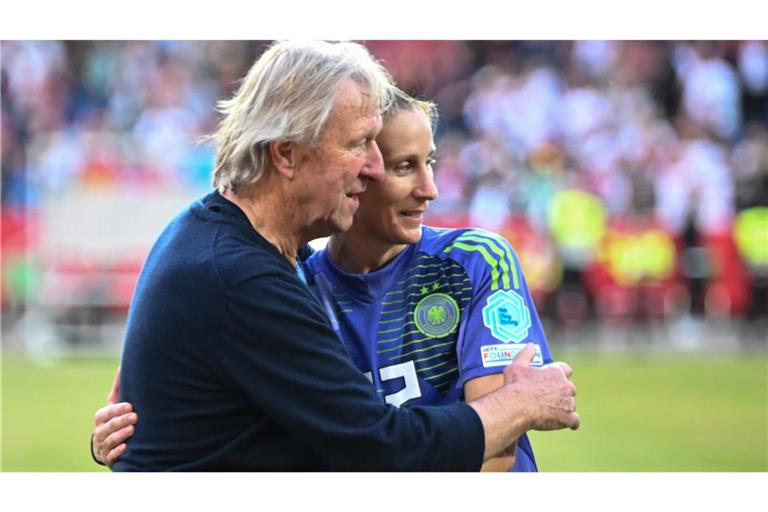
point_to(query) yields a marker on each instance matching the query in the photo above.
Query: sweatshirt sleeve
(281, 352)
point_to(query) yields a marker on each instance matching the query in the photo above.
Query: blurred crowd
(631, 177)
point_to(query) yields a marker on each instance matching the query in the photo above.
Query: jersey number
(408, 372)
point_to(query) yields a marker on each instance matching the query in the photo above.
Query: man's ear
(284, 157)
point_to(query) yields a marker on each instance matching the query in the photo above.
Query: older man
(228, 358)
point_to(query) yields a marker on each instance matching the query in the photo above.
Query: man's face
(335, 173)
(392, 209)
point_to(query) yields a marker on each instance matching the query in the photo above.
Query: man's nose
(374, 166)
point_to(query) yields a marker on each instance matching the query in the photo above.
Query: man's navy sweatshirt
(232, 365)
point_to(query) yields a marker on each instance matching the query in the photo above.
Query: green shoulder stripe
(501, 259)
(500, 246)
(493, 263)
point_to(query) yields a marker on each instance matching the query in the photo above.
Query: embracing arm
(528, 398)
(304, 380)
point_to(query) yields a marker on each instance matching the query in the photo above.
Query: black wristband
(93, 455)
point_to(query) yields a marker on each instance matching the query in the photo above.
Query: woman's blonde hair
(401, 100)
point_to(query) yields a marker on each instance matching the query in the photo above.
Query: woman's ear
(284, 157)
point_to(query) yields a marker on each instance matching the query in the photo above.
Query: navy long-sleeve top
(231, 364)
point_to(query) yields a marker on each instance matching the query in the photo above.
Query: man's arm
(529, 398)
(295, 369)
(303, 378)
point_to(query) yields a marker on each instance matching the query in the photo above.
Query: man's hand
(114, 425)
(548, 391)
(530, 399)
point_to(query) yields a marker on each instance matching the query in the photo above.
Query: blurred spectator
(753, 68)
(711, 90)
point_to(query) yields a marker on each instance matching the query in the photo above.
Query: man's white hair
(288, 94)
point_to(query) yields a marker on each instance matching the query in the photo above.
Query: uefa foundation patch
(502, 355)
(436, 315)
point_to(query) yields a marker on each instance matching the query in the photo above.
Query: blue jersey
(449, 309)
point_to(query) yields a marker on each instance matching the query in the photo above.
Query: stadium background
(631, 178)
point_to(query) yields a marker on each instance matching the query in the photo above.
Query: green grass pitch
(677, 413)
(647, 413)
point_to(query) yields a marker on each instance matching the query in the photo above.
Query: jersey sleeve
(501, 316)
(282, 354)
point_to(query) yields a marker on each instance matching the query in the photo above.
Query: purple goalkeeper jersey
(449, 309)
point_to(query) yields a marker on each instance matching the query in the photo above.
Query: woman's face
(391, 211)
